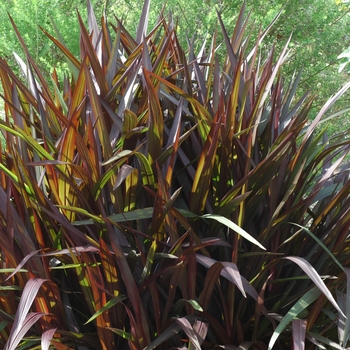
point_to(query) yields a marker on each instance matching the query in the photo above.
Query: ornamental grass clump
(155, 198)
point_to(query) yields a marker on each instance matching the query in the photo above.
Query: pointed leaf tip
(233, 227)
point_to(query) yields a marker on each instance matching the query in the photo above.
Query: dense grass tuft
(157, 199)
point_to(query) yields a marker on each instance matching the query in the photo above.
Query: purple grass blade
(21, 264)
(46, 338)
(123, 173)
(19, 333)
(344, 303)
(93, 27)
(21, 321)
(190, 332)
(202, 329)
(230, 271)
(142, 28)
(315, 277)
(146, 59)
(299, 333)
(167, 334)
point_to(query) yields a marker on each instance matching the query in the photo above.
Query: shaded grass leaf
(137, 214)
(180, 303)
(321, 244)
(121, 333)
(107, 306)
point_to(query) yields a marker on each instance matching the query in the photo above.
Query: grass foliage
(157, 199)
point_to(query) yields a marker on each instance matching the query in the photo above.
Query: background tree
(28, 16)
(318, 28)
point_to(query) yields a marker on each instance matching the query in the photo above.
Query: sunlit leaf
(24, 321)
(46, 338)
(315, 277)
(233, 227)
(297, 308)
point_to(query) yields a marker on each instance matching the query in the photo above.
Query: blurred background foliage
(318, 27)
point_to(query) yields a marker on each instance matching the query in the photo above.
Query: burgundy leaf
(22, 322)
(46, 338)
